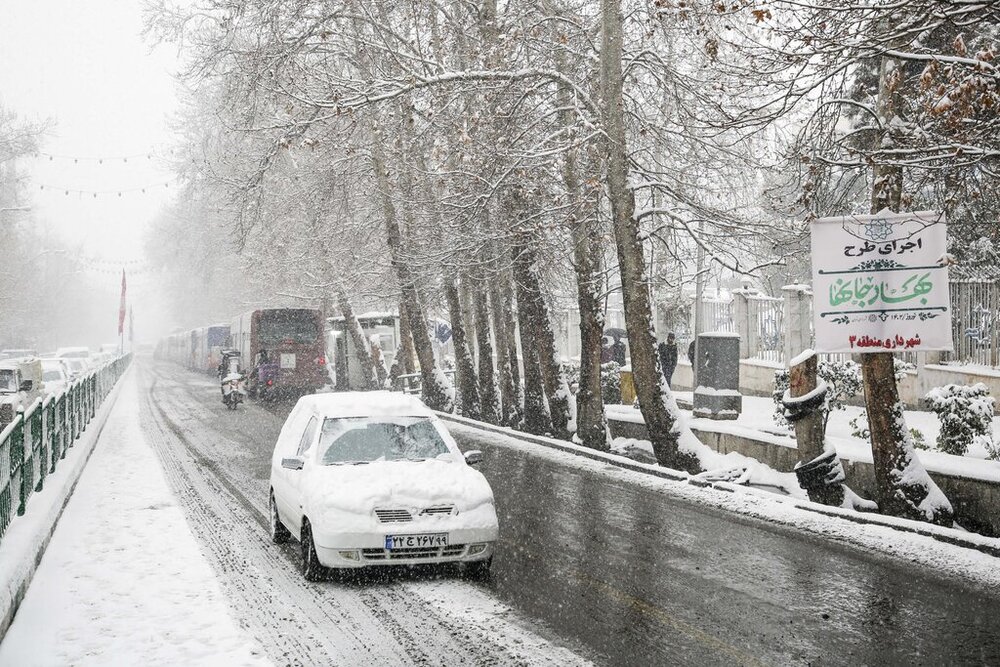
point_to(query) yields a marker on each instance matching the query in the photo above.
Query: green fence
(32, 445)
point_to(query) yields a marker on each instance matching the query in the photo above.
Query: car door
(295, 478)
(286, 446)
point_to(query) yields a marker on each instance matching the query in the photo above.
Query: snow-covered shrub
(611, 383)
(572, 374)
(843, 381)
(966, 416)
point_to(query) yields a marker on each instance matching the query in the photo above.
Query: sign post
(880, 283)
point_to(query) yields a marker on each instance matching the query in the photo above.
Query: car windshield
(365, 439)
(8, 380)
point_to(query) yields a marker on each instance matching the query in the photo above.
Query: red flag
(121, 308)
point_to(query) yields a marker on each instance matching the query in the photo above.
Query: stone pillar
(717, 395)
(745, 320)
(798, 317)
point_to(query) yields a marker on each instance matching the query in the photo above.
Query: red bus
(287, 347)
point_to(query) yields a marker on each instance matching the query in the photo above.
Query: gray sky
(84, 65)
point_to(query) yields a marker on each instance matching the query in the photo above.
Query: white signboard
(880, 283)
(287, 360)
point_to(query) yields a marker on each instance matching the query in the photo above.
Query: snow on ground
(756, 420)
(123, 581)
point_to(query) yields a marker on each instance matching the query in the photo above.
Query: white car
(56, 374)
(373, 478)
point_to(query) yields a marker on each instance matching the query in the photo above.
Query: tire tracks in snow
(403, 622)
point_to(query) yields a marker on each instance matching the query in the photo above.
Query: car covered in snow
(56, 375)
(367, 479)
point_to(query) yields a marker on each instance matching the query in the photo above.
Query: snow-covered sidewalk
(123, 580)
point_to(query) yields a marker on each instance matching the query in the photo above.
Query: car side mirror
(292, 463)
(473, 457)
(27, 385)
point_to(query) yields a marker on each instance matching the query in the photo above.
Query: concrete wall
(913, 387)
(976, 502)
(756, 377)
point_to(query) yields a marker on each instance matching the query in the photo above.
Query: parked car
(367, 479)
(20, 384)
(76, 353)
(77, 366)
(56, 375)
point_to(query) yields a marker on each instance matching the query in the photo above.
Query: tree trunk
(361, 348)
(436, 390)
(902, 486)
(468, 388)
(510, 406)
(536, 418)
(488, 392)
(409, 361)
(591, 422)
(529, 291)
(650, 386)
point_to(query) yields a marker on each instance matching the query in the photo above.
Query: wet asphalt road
(635, 576)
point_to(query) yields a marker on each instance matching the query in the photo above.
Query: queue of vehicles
(282, 351)
(359, 479)
(26, 376)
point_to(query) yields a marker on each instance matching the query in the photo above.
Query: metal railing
(32, 445)
(413, 383)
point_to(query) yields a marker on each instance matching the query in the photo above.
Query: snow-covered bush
(843, 381)
(611, 383)
(966, 416)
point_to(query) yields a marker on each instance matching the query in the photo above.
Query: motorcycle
(231, 379)
(233, 391)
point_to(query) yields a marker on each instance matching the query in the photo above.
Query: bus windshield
(295, 326)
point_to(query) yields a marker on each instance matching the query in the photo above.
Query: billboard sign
(880, 283)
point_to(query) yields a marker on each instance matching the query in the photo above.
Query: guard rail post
(38, 448)
(51, 432)
(17, 460)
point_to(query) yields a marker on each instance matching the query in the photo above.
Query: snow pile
(732, 467)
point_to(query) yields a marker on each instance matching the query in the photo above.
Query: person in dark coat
(668, 357)
(618, 352)
(691, 353)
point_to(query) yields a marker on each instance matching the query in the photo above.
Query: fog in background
(107, 96)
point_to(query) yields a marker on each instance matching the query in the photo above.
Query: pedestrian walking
(667, 351)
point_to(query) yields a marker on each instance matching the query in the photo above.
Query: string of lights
(104, 159)
(144, 189)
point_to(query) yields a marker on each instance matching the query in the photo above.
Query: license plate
(416, 541)
(287, 360)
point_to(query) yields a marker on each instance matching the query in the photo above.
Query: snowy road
(218, 464)
(591, 566)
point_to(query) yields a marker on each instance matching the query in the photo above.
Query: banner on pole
(121, 308)
(880, 283)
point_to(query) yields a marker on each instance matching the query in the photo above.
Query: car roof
(365, 404)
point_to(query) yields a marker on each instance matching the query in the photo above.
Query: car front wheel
(279, 534)
(311, 568)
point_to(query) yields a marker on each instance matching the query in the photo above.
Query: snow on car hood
(359, 489)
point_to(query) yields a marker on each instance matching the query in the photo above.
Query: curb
(946, 535)
(26, 540)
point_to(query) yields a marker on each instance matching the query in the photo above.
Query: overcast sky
(84, 65)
